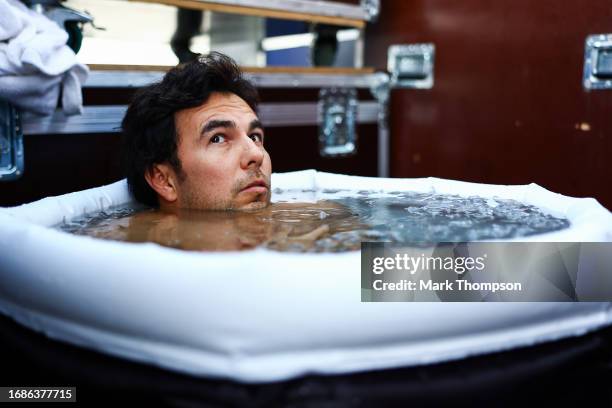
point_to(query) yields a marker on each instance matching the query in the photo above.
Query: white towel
(35, 62)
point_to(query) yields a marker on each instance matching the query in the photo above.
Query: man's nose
(252, 154)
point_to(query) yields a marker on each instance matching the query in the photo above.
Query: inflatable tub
(260, 315)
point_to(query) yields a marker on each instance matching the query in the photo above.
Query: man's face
(223, 160)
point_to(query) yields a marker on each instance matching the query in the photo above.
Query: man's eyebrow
(255, 124)
(214, 124)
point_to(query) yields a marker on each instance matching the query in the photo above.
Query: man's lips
(257, 186)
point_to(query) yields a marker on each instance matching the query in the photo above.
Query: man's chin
(251, 201)
(253, 206)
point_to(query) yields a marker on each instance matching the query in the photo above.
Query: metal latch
(372, 9)
(11, 143)
(337, 118)
(598, 62)
(411, 65)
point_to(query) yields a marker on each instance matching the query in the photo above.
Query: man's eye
(257, 137)
(217, 138)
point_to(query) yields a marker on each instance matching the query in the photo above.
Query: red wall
(507, 106)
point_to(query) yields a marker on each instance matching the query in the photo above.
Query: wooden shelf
(316, 11)
(255, 70)
(126, 76)
(309, 70)
(129, 68)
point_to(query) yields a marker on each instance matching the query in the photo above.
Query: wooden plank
(309, 70)
(119, 67)
(260, 12)
(254, 70)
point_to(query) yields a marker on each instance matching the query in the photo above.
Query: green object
(75, 35)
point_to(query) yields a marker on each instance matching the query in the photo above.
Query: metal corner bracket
(371, 8)
(411, 65)
(597, 73)
(337, 117)
(11, 143)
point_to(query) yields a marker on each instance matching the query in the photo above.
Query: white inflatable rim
(258, 316)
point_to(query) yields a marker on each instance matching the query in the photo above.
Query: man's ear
(161, 179)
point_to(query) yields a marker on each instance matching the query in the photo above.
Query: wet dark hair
(149, 131)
